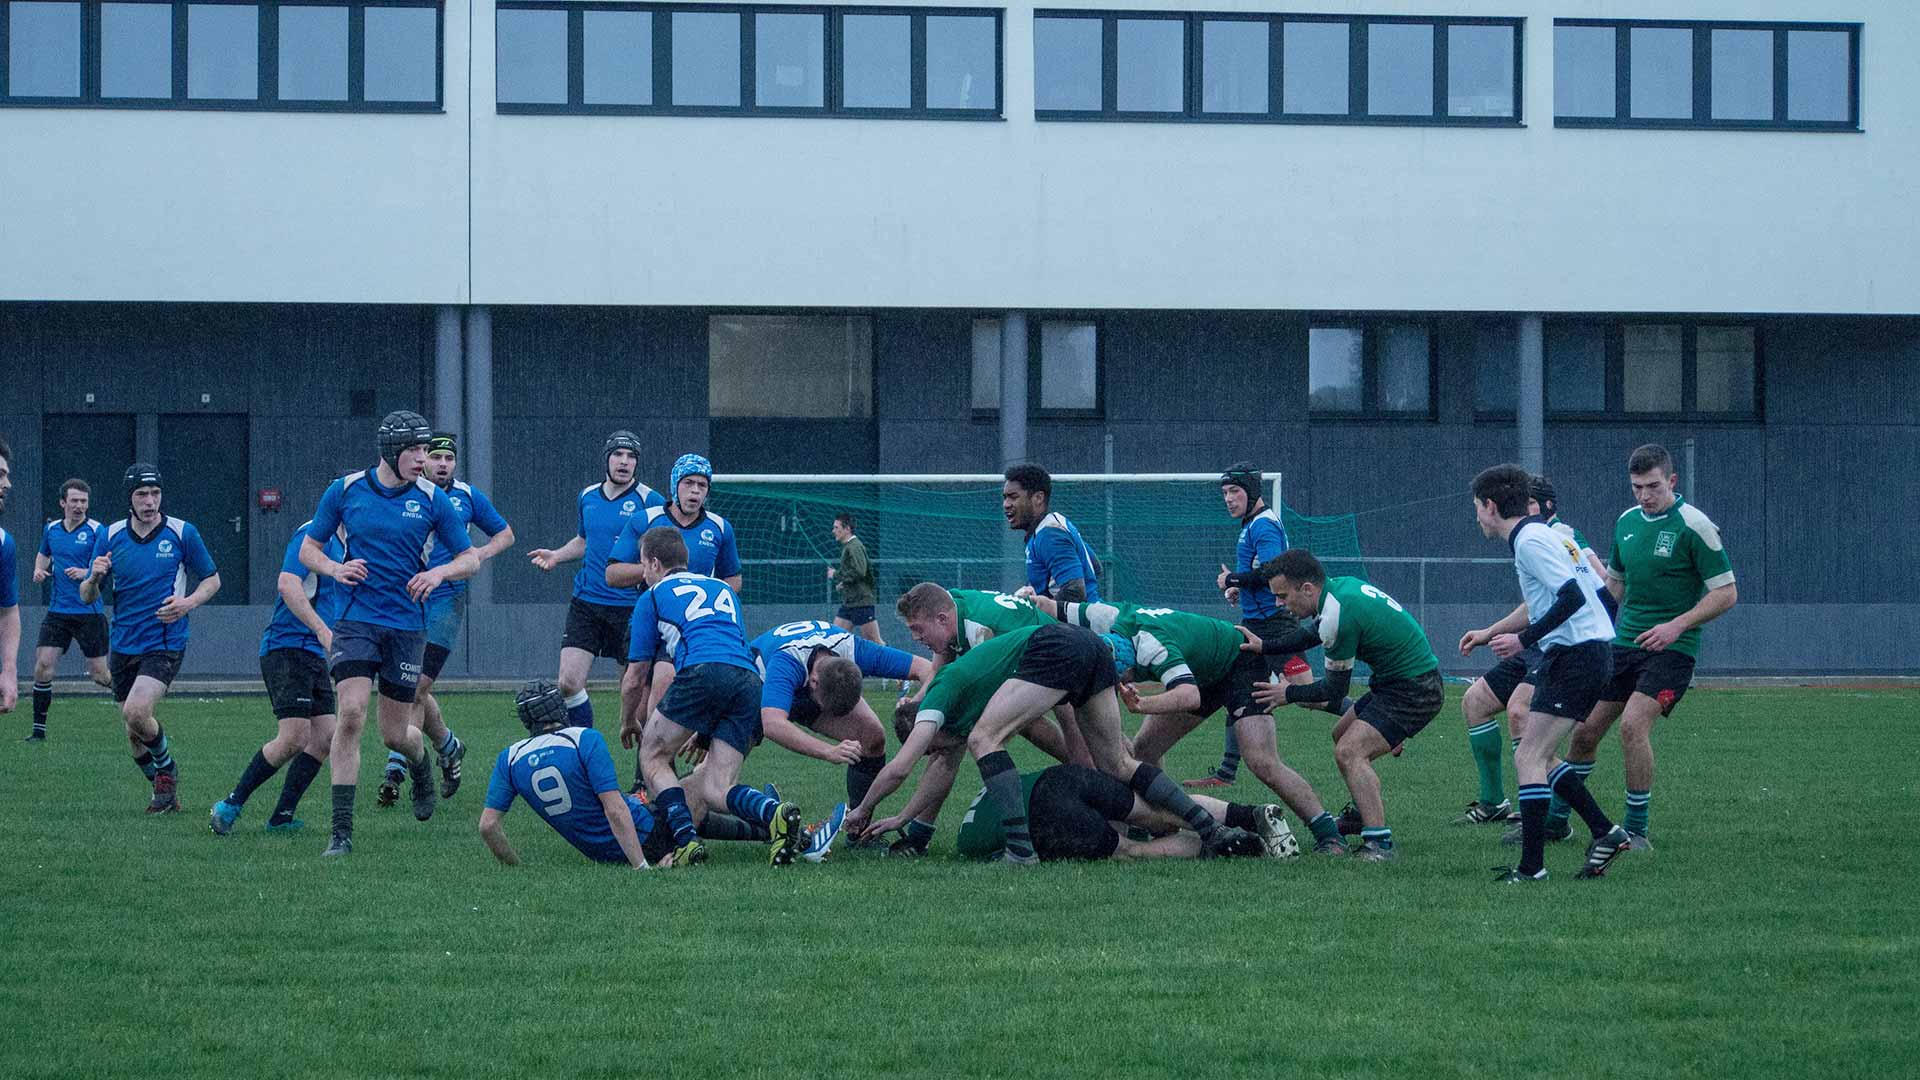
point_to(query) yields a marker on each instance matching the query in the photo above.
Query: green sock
(1636, 821)
(1487, 752)
(1324, 827)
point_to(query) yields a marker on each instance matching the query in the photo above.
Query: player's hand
(1253, 644)
(630, 734)
(422, 584)
(1472, 640)
(1129, 695)
(858, 824)
(1505, 645)
(325, 638)
(542, 558)
(174, 609)
(1659, 637)
(693, 753)
(890, 823)
(1221, 581)
(845, 752)
(74, 573)
(351, 572)
(1270, 693)
(41, 574)
(1024, 592)
(102, 566)
(1232, 595)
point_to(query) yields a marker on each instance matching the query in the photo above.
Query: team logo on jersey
(1663, 544)
(413, 508)
(455, 500)
(80, 537)
(627, 507)
(706, 536)
(164, 547)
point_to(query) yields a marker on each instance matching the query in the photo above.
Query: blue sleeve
(46, 540)
(643, 633)
(726, 559)
(777, 692)
(881, 661)
(580, 530)
(626, 546)
(601, 774)
(486, 516)
(1036, 568)
(1268, 542)
(291, 564)
(99, 545)
(9, 577)
(326, 516)
(500, 786)
(1063, 558)
(447, 526)
(194, 552)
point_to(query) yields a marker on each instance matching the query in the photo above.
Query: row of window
(654, 58)
(363, 55)
(1640, 74)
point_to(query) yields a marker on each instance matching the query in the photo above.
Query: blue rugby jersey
(1261, 539)
(284, 631)
(562, 774)
(1057, 555)
(710, 547)
(146, 571)
(67, 548)
(475, 509)
(603, 523)
(783, 653)
(689, 619)
(390, 529)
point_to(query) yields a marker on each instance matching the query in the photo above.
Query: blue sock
(751, 804)
(580, 709)
(396, 762)
(448, 744)
(1382, 836)
(674, 802)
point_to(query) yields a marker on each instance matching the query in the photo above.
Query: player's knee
(980, 744)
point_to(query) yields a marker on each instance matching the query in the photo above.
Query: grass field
(1772, 933)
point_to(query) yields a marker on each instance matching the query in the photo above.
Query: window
(284, 55)
(1653, 368)
(1063, 370)
(1380, 369)
(589, 56)
(1496, 368)
(986, 364)
(1754, 75)
(790, 365)
(1228, 67)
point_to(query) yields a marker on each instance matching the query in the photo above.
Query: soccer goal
(1160, 537)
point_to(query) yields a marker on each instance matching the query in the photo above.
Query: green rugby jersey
(985, 614)
(1358, 621)
(963, 686)
(980, 833)
(1172, 646)
(1666, 562)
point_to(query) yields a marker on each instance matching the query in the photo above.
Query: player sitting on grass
(1199, 663)
(1078, 813)
(565, 772)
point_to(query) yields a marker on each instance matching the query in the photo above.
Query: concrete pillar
(476, 449)
(449, 381)
(1013, 428)
(1531, 409)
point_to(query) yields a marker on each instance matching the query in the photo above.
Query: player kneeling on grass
(1077, 813)
(565, 772)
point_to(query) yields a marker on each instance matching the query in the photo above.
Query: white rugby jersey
(1545, 559)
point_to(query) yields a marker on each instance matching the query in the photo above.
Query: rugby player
(854, 579)
(1059, 562)
(66, 547)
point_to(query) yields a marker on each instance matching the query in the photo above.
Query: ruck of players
(1092, 690)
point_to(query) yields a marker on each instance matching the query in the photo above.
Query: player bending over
(1078, 813)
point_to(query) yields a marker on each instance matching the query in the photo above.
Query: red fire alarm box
(270, 500)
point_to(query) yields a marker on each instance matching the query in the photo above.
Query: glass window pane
(1069, 366)
(1743, 74)
(1314, 68)
(790, 365)
(1152, 75)
(962, 62)
(1576, 363)
(1651, 362)
(313, 53)
(1723, 369)
(403, 46)
(706, 58)
(1066, 64)
(43, 49)
(617, 57)
(1496, 365)
(1399, 70)
(530, 57)
(986, 363)
(1479, 71)
(136, 51)
(1817, 75)
(790, 55)
(876, 70)
(1584, 59)
(1406, 368)
(1333, 368)
(1662, 73)
(223, 51)
(1233, 66)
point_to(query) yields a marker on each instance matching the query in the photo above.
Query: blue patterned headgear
(1123, 654)
(689, 465)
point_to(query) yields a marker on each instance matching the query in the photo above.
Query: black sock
(42, 700)
(1241, 816)
(719, 826)
(144, 762)
(1533, 799)
(421, 771)
(343, 809)
(1152, 785)
(160, 750)
(257, 772)
(1004, 791)
(1566, 783)
(300, 776)
(860, 776)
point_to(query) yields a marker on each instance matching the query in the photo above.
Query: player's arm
(936, 783)
(42, 567)
(895, 771)
(1328, 688)
(548, 558)
(293, 593)
(1182, 697)
(101, 566)
(614, 805)
(451, 533)
(779, 729)
(733, 582)
(623, 559)
(495, 837)
(1294, 641)
(605, 781)
(1714, 604)
(197, 559)
(1509, 623)
(496, 543)
(499, 534)
(9, 657)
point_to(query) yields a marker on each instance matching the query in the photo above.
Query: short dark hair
(926, 598)
(1648, 458)
(1032, 478)
(666, 546)
(6, 452)
(845, 517)
(837, 685)
(1297, 565)
(74, 483)
(904, 712)
(1507, 486)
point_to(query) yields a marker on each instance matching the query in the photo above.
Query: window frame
(267, 98)
(1370, 328)
(1702, 118)
(1613, 330)
(1356, 114)
(1035, 361)
(834, 58)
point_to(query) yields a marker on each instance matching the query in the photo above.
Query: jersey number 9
(551, 787)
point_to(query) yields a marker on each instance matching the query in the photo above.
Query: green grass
(1771, 934)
